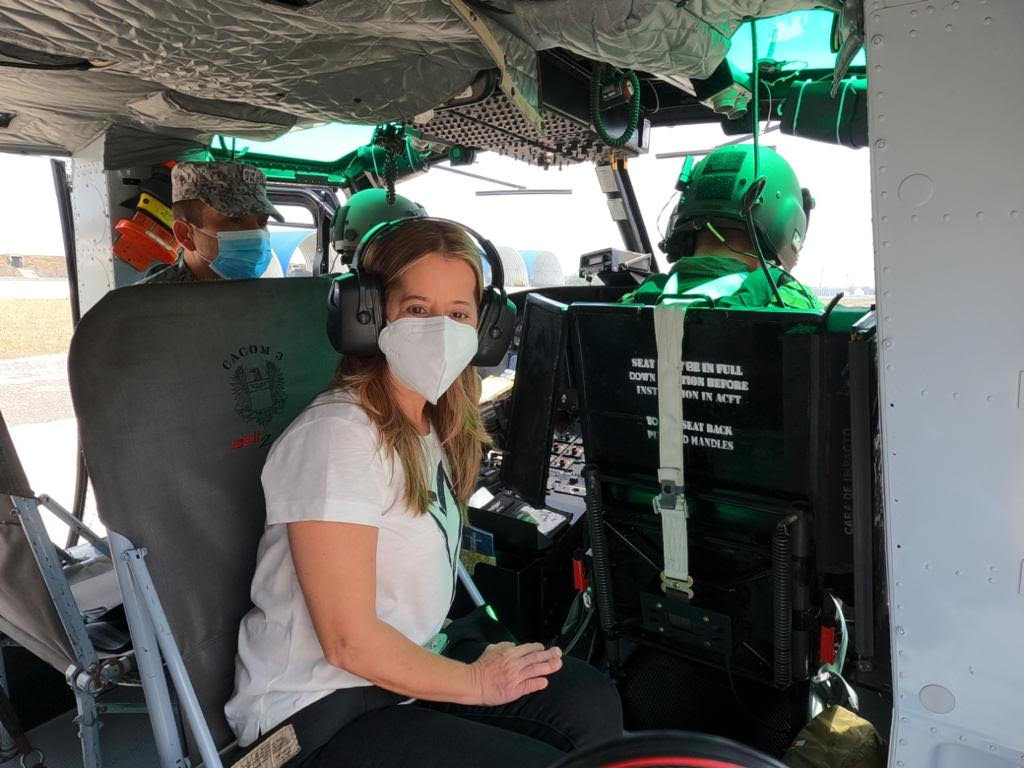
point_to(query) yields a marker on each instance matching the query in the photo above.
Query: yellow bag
(837, 738)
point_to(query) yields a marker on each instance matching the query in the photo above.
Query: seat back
(747, 394)
(180, 391)
(767, 398)
(768, 480)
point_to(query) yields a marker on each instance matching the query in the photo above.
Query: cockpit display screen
(539, 371)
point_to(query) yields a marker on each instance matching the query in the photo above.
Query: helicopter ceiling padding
(263, 67)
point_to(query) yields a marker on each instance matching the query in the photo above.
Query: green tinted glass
(798, 40)
(333, 155)
(323, 144)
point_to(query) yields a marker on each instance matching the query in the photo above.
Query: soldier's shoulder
(172, 273)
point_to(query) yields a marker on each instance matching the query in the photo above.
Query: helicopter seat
(58, 604)
(179, 391)
(759, 466)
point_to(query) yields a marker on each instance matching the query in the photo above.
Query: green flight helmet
(361, 213)
(716, 190)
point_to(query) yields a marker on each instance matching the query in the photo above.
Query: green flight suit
(690, 273)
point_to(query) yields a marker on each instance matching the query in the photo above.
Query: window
(567, 225)
(35, 331)
(797, 40)
(320, 144)
(837, 255)
(294, 241)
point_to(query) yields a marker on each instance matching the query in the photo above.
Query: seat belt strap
(670, 504)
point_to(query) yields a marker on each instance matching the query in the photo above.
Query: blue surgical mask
(241, 254)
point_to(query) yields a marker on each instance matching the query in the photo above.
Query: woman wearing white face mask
(356, 571)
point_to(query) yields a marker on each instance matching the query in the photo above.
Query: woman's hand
(506, 671)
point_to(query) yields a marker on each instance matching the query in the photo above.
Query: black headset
(355, 305)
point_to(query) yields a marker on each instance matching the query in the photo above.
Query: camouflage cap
(233, 189)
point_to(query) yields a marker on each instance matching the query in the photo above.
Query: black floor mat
(38, 691)
(661, 691)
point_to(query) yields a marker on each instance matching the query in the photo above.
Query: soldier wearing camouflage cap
(220, 221)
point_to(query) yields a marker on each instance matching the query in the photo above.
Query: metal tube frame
(86, 677)
(88, 721)
(124, 708)
(149, 613)
(87, 661)
(470, 585)
(67, 226)
(56, 584)
(147, 655)
(863, 497)
(74, 523)
(618, 188)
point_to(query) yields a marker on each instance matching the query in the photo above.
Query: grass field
(34, 327)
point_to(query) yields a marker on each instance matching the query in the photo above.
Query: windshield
(567, 225)
(837, 254)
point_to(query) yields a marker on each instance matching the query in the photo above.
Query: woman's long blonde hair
(456, 417)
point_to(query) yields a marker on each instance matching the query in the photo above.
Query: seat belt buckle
(671, 491)
(437, 644)
(672, 508)
(671, 500)
(677, 588)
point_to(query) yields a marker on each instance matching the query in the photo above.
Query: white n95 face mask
(427, 354)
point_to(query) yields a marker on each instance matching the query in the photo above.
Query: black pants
(579, 707)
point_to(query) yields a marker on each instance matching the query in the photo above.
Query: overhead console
(814, 109)
(486, 119)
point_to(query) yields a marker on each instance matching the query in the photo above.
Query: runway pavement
(36, 405)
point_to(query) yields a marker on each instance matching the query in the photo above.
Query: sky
(837, 253)
(29, 222)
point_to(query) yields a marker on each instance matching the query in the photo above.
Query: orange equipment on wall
(148, 236)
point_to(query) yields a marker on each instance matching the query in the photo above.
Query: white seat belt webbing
(669, 324)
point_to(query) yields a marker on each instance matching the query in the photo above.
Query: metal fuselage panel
(947, 170)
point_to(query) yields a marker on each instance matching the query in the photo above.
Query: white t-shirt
(326, 466)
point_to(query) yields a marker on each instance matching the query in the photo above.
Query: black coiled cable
(596, 82)
(602, 566)
(391, 138)
(782, 603)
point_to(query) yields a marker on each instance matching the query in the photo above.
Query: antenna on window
(771, 44)
(756, 98)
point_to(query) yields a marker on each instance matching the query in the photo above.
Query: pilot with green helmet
(710, 243)
(361, 213)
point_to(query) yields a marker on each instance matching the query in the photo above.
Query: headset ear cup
(497, 319)
(356, 304)
(373, 294)
(355, 314)
(808, 203)
(334, 315)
